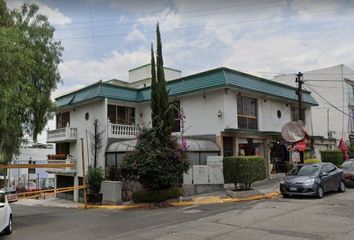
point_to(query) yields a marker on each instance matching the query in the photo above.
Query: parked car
(313, 180)
(348, 171)
(11, 194)
(5, 214)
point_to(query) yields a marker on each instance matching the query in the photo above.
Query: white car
(5, 214)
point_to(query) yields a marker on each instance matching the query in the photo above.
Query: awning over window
(194, 145)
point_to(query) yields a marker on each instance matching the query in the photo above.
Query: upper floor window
(63, 119)
(121, 115)
(295, 114)
(177, 122)
(247, 112)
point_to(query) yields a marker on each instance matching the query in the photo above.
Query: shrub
(146, 196)
(333, 156)
(94, 179)
(244, 170)
(311, 161)
(156, 163)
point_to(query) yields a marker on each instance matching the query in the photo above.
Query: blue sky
(104, 39)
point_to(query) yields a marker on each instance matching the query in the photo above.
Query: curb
(195, 201)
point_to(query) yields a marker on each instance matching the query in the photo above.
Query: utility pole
(299, 82)
(301, 118)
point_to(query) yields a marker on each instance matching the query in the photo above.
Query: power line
(166, 15)
(328, 102)
(211, 25)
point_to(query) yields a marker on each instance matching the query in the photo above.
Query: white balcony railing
(122, 131)
(68, 160)
(67, 134)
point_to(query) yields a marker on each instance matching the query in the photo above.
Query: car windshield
(347, 165)
(308, 170)
(295, 170)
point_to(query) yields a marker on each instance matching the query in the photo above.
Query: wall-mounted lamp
(219, 113)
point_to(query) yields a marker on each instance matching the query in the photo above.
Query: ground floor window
(113, 163)
(251, 149)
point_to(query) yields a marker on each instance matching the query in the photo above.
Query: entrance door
(228, 143)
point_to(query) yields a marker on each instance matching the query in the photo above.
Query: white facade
(332, 87)
(211, 115)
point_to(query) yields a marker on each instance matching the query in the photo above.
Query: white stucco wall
(268, 118)
(96, 110)
(332, 85)
(201, 112)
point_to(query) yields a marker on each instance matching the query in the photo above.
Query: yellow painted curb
(195, 201)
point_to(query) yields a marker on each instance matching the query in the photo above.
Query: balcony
(66, 170)
(67, 134)
(122, 131)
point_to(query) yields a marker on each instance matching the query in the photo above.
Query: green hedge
(146, 196)
(244, 170)
(310, 161)
(333, 156)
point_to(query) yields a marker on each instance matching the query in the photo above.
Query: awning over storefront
(194, 145)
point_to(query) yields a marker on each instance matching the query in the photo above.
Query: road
(296, 218)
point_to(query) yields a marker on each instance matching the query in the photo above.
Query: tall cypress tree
(155, 115)
(165, 109)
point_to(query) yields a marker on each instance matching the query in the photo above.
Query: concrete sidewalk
(264, 189)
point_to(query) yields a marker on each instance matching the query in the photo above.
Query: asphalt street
(39, 223)
(282, 218)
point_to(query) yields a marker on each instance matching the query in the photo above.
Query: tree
(96, 141)
(29, 59)
(158, 161)
(155, 113)
(166, 110)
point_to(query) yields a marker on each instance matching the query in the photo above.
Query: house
(228, 113)
(35, 153)
(333, 89)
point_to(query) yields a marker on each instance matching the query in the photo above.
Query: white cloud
(135, 35)
(55, 16)
(75, 72)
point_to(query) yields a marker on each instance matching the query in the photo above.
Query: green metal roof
(212, 79)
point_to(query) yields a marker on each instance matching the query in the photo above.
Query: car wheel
(341, 187)
(319, 192)
(350, 184)
(8, 229)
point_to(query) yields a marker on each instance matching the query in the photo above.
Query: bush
(155, 163)
(94, 179)
(146, 196)
(311, 161)
(244, 170)
(332, 156)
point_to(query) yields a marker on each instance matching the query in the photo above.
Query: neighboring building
(333, 89)
(228, 113)
(34, 153)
